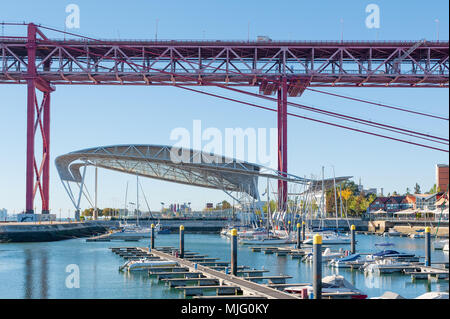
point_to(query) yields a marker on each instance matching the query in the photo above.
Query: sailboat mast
(137, 198)
(335, 199)
(268, 206)
(322, 198)
(126, 197)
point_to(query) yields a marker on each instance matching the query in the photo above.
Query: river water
(53, 269)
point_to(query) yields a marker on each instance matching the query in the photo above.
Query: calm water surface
(38, 270)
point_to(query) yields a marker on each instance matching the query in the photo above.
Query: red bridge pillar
(282, 143)
(37, 116)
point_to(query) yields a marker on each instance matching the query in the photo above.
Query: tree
(433, 189)
(408, 191)
(88, 212)
(395, 193)
(273, 207)
(226, 205)
(417, 189)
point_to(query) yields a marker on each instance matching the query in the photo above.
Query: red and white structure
(286, 68)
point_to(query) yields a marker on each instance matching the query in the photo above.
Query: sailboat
(135, 230)
(329, 237)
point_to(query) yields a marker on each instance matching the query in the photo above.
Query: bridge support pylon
(38, 118)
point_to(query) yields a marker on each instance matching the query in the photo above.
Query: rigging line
(334, 113)
(315, 120)
(379, 104)
(253, 94)
(377, 126)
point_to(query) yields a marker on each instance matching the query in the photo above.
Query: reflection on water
(44, 277)
(36, 271)
(28, 274)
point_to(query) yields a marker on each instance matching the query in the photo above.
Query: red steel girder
(346, 64)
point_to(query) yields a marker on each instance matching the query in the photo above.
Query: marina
(99, 268)
(212, 169)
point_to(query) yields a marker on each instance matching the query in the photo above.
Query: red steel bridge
(284, 68)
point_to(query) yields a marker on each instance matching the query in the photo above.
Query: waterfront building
(379, 203)
(392, 204)
(442, 177)
(427, 201)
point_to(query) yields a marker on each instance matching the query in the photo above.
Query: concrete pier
(48, 231)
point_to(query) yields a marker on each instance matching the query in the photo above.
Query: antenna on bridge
(156, 32)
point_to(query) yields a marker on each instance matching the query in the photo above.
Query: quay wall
(409, 227)
(48, 231)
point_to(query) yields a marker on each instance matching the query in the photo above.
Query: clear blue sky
(92, 116)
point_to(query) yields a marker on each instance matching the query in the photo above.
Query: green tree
(433, 189)
(417, 189)
(226, 205)
(88, 212)
(273, 207)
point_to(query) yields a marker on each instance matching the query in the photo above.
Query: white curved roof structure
(167, 163)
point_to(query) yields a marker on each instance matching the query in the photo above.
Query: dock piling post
(299, 242)
(352, 240)
(303, 231)
(152, 245)
(181, 241)
(234, 252)
(427, 246)
(317, 266)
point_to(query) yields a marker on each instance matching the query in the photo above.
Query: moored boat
(334, 284)
(329, 239)
(143, 264)
(344, 262)
(440, 244)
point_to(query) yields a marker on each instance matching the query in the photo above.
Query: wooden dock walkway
(248, 288)
(199, 281)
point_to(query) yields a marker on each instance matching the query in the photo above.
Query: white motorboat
(144, 264)
(344, 262)
(130, 230)
(387, 265)
(389, 295)
(418, 234)
(392, 233)
(329, 239)
(327, 255)
(390, 254)
(433, 295)
(246, 233)
(263, 240)
(331, 284)
(445, 248)
(440, 244)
